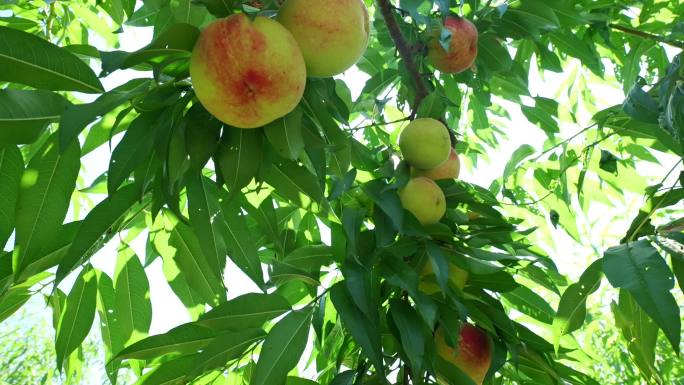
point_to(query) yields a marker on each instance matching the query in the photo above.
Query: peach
(457, 276)
(246, 72)
(425, 143)
(333, 34)
(424, 199)
(447, 170)
(462, 48)
(474, 354)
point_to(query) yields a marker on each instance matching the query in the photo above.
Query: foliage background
(536, 127)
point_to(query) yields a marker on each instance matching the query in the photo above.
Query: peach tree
(299, 250)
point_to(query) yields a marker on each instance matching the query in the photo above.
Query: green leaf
(170, 372)
(183, 339)
(411, 333)
(359, 326)
(571, 45)
(247, 311)
(239, 157)
(310, 257)
(492, 54)
(282, 349)
(30, 60)
(11, 168)
(24, 114)
(188, 255)
(176, 42)
(641, 106)
(285, 134)
(225, 348)
(77, 316)
(206, 220)
(517, 157)
(241, 250)
(132, 296)
(638, 268)
(12, 301)
(99, 224)
(76, 117)
(292, 181)
(526, 301)
(542, 118)
(134, 148)
(572, 307)
(109, 327)
(639, 331)
(44, 196)
(432, 106)
(52, 251)
(201, 135)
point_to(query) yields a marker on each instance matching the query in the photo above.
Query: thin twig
(380, 124)
(657, 205)
(404, 52)
(647, 35)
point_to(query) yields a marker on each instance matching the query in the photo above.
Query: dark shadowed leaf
(11, 168)
(638, 268)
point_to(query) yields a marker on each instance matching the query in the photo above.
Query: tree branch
(647, 35)
(404, 52)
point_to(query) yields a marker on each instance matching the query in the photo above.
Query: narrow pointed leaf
(30, 60)
(77, 315)
(98, 225)
(638, 268)
(11, 168)
(194, 266)
(249, 310)
(46, 188)
(204, 209)
(133, 150)
(187, 338)
(76, 117)
(132, 296)
(241, 249)
(282, 349)
(24, 114)
(226, 347)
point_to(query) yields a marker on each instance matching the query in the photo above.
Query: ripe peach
(333, 35)
(462, 48)
(474, 354)
(246, 72)
(425, 143)
(424, 199)
(447, 170)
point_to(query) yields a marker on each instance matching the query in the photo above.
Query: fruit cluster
(250, 71)
(426, 146)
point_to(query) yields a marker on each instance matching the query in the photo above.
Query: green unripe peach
(425, 143)
(247, 73)
(428, 282)
(424, 199)
(333, 34)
